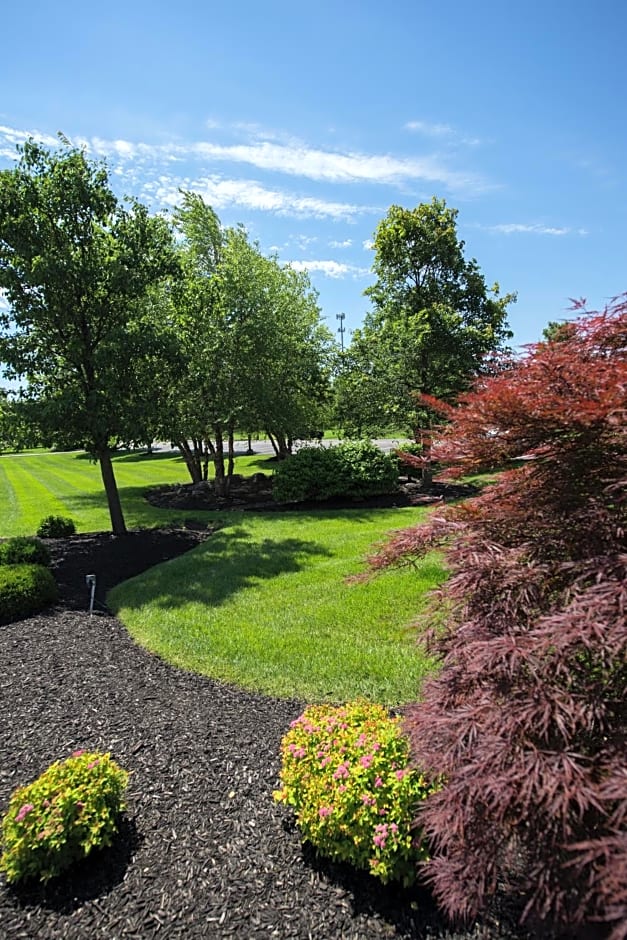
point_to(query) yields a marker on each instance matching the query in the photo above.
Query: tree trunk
(275, 446)
(118, 526)
(191, 461)
(283, 446)
(231, 464)
(427, 469)
(218, 460)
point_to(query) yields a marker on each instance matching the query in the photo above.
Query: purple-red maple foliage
(527, 718)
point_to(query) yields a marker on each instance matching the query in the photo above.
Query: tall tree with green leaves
(75, 266)
(433, 321)
(251, 345)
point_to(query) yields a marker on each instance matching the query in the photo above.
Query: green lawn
(264, 604)
(69, 484)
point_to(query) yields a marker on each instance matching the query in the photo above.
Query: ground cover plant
(56, 527)
(345, 771)
(24, 550)
(263, 603)
(69, 811)
(24, 590)
(527, 717)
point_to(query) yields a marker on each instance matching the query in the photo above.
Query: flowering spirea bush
(345, 771)
(58, 819)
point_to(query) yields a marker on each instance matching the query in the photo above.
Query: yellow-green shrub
(58, 819)
(345, 770)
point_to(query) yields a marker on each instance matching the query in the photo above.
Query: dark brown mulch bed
(114, 559)
(203, 851)
(256, 493)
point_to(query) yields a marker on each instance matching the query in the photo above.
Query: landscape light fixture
(90, 581)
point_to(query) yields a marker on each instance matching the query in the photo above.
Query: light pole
(341, 329)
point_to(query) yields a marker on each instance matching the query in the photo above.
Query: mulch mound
(203, 852)
(255, 493)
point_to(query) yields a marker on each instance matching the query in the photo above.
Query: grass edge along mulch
(264, 603)
(203, 851)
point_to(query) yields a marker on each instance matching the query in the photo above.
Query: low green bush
(25, 590)
(56, 527)
(71, 809)
(356, 469)
(409, 449)
(345, 770)
(24, 550)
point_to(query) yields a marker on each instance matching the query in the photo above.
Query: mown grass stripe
(9, 503)
(76, 485)
(34, 498)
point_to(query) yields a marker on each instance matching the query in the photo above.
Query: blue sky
(306, 122)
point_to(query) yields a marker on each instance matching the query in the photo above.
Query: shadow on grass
(225, 564)
(138, 513)
(142, 456)
(133, 456)
(264, 461)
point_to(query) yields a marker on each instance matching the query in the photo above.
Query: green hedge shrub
(25, 590)
(24, 550)
(56, 527)
(345, 770)
(356, 469)
(58, 819)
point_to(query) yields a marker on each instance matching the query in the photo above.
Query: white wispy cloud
(291, 158)
(431, 130)
(443, 132)
(336, 167)
(515, 228)
(368, 244)
(344, 244)
(304, 241)
(334, 269)
(220, 193)
(153, 169)
(14, 136)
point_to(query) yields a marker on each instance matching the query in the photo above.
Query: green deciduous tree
(433, 321)
(252, 349)
(75, 266)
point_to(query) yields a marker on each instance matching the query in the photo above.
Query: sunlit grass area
(264, 604)
(69, 484)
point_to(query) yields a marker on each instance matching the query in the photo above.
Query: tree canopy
(75, 266)
(432, 323)
(526, 719)
(252, 348)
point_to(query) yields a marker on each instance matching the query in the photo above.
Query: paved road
(265, 447)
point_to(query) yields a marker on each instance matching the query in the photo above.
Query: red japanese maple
(527, 718)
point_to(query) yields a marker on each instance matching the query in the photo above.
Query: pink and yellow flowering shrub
(345, 770)
(58, 819)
